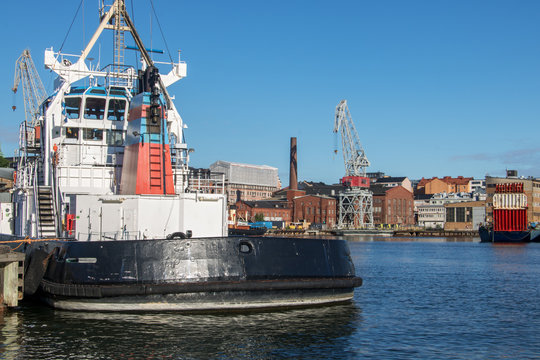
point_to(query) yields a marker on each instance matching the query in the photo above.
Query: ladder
(119, 44)
(156, 167)
(47, 226)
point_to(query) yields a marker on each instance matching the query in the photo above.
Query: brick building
(446, 184)
(392, 205)
(315, 209)
(272, 210)
(393, 181)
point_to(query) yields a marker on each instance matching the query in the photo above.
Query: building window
(450, 215)
(460, 214)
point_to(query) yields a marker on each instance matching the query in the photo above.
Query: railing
(36, 201)
(109, 235)
(56, 193)
(199, 182)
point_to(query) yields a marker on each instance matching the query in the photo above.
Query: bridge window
(117, 109)
(73, 107)
(72, 133)
(94, 108)
(93, 134)
(115, 137)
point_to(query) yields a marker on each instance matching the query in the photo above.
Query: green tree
(3, 161)
(259, 217)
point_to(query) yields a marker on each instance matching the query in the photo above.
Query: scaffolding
(355, 209)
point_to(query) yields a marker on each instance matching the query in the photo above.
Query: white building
(432, 213)
(477, 184)
(250, 182)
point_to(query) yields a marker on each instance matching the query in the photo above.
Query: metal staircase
(47, 226)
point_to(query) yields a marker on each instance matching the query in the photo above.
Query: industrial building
(247, 182)
(465, 215)
(432, 210)
(392, 205)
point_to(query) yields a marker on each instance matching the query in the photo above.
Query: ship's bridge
(90, 138)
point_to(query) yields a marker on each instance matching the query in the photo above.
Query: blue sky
(435, 88)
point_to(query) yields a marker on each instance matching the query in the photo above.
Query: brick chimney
(293, 175)
(293, 178)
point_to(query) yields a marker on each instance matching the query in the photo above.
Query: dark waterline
(434, 298)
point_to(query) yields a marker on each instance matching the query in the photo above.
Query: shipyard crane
(33, 90)
(353, 153)
(356, 201)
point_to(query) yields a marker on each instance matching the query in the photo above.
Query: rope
(162, 36)
(65, 38)
(26, 240)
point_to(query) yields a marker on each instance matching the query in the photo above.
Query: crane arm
(33, 90)
(353, 154)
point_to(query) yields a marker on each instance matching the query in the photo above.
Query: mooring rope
(26, 240)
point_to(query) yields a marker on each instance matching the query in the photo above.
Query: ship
(111, 217)
(510, 217)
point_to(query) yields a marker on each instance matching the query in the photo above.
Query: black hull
(488, 235)
(209, 274)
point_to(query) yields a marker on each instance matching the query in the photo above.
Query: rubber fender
(35, 270)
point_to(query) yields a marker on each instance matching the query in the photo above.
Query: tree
(259, 217)
(3, 161)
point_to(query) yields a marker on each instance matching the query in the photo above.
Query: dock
(436, 233)
(11, 277)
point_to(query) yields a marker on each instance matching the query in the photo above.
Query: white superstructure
(71, 154)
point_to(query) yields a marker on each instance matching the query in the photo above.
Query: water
(430, 299)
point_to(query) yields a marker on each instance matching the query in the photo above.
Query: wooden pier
(11, 277)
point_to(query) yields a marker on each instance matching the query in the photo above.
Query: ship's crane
(33, 90)
(356, 201)
(353, 153)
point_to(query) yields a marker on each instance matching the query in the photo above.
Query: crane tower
(33, 90)
(30, 129)
(356, 201)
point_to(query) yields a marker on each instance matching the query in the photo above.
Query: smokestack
(293, 179)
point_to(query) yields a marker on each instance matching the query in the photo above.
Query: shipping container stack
(509, 207)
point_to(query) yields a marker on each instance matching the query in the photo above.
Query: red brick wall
(315, 209)
(245, 212)
(395, 207)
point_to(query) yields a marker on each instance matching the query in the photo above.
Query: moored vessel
(510, 224)
(111, 217)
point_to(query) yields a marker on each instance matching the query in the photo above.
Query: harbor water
(422, 298)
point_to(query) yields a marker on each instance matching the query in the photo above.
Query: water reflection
(248, 335)
(9, 323)
(375, 238)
